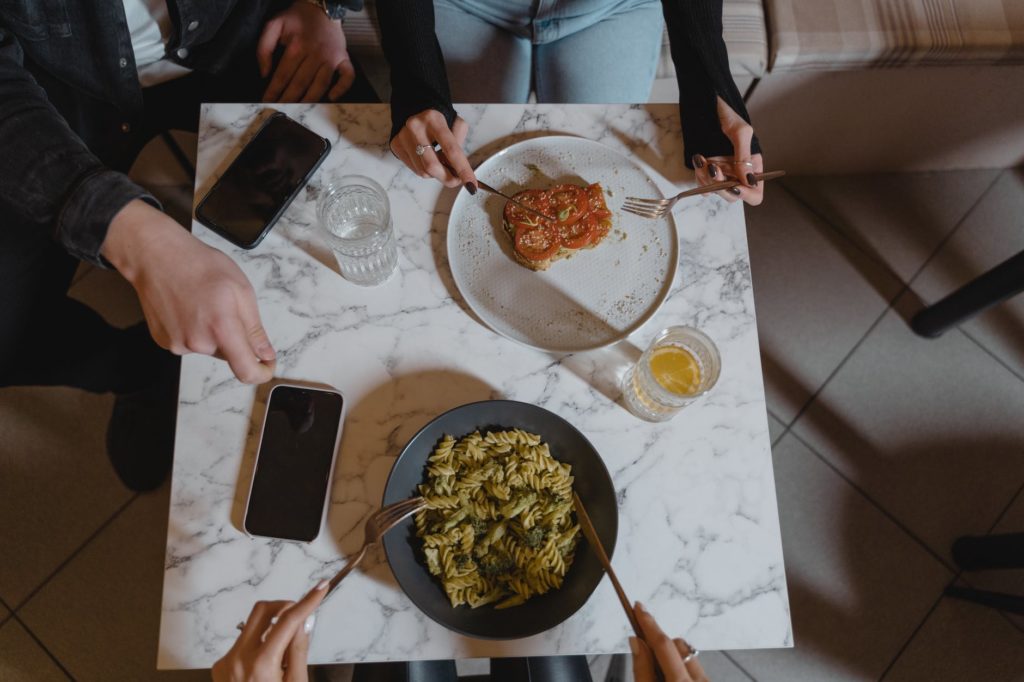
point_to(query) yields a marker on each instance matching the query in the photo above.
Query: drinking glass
(355, 215)
(681, 364)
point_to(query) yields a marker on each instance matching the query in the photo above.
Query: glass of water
(355, 215)
(679, 365)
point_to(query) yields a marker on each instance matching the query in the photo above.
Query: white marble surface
(699, 538)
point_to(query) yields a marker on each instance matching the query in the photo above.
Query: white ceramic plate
(594, 298)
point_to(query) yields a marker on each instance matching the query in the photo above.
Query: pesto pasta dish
(498, 526)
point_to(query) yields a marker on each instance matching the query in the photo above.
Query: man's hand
(196, 300)
(314, 50)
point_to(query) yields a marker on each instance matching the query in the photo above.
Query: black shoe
(140, 434)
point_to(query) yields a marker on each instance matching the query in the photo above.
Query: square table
(699, 539)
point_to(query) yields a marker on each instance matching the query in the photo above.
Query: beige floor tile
(962, 641)
(721, 669)
(156, 165)
(100, 616)
(22, 659)
(816, 296)
(899, 218)
(775, 429)
(993, 232)
(929, 429)
(716, 665)
(58, 486)
(858, 585)
(109, 294)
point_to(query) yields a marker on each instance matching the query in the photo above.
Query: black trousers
(49, 339)
(546, 669)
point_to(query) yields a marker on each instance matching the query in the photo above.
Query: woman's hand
(314, 50)
(421, 132)
(671, 654)
(273, 644)
(741, 167)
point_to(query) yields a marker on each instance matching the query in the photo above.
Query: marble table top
(699, 539)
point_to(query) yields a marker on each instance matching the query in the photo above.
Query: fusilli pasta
(498, 524)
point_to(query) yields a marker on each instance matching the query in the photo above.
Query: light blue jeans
(597, 51)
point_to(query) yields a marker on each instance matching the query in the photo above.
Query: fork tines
(399, 509)
(647, 210)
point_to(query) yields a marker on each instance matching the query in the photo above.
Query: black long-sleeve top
(419, 80)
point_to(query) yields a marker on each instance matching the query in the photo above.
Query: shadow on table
(376, 430)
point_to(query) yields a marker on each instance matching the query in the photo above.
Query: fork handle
(726, 184)
(345, 570)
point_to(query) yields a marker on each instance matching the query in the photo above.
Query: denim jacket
(70, 98)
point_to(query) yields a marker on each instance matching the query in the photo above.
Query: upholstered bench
(871, 85)
(743, 28)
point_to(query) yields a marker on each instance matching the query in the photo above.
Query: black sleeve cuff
(83, 221)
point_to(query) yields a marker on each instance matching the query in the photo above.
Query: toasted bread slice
(583, 222)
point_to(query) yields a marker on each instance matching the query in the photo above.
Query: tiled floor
(886, 446)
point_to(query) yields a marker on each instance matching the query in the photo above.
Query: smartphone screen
(294, 462)
(260, 184)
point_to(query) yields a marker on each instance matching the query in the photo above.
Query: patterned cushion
(743, 24)
(844, 34)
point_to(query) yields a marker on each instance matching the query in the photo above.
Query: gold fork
(656, 208)
(383, 520)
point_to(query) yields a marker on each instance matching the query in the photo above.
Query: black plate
(592, 483)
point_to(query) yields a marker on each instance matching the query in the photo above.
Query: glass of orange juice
(679, 365)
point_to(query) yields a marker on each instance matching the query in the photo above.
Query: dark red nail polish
(471, 188)
(751, 180)
(713, 170)
(698, 162)
(735, 190)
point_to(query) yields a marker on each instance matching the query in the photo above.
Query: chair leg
(1006, 550)
(1009, 603)
(995, 286)
(179, 155)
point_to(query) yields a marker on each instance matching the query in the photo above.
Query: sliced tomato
(569, 203)
(534, 198)
(579, 234)
(535, 243)
(598, 206)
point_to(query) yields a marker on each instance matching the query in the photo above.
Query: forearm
(49, 180)
(418, 77)
(702, 71)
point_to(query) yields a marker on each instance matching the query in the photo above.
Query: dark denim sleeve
(49, 180)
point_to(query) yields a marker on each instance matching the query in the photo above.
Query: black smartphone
(262, 181)
(292, 476)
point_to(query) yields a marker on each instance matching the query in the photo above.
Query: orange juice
(676, 369)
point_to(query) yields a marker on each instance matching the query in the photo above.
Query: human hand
(422, 130)
(274, 642)
(195, 299)
(314, 49)
(742, 166)
(671, 654)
